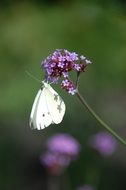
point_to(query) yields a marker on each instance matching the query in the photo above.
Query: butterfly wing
(56, 105)
(33, 111)
(40, 115)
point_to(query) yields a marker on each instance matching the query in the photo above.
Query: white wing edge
(33, 111)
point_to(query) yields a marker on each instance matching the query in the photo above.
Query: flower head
(104, 143)
(69, 86)
(60, 63)
(50, 159)
(85, 187)
(54, 163)
(63, 144)
(61, 150)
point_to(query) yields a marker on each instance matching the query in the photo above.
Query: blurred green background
(29, 32)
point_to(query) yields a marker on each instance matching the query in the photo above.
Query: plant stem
(83, 101)
(53, 182)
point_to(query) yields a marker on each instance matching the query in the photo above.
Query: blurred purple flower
(61, 150)
(104, 143)
(85, 187)
(54, 163)
(50, 159)
(63, 144)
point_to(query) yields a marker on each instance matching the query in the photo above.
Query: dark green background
(30, 31)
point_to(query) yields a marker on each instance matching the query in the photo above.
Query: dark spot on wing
(40, 126)
(43, 115)
(56, 97)
(31, 125)
(59, 108)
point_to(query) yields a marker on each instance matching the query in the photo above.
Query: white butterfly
(48, 107)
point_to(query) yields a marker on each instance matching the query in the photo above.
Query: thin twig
(106, 126)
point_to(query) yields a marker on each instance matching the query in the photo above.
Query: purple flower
(60, 63)
(68, 86)
(63, 144)
(50, 159)
(54, 163)
(87, 61)
(84, 59)
(85, 187)
(104, 143)
(77, 67)
(61, 150)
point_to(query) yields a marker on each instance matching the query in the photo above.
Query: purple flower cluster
(61, 150)
(63, 144)
(104, 143)
(55, 163)
(60, 63)
(69, 86)
(85, 187)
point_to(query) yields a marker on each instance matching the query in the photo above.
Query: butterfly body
(48, 108)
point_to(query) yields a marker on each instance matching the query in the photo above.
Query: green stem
(83, 101)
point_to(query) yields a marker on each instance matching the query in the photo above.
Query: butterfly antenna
(32, 76)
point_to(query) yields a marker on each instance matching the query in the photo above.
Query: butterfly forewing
(55, 104)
